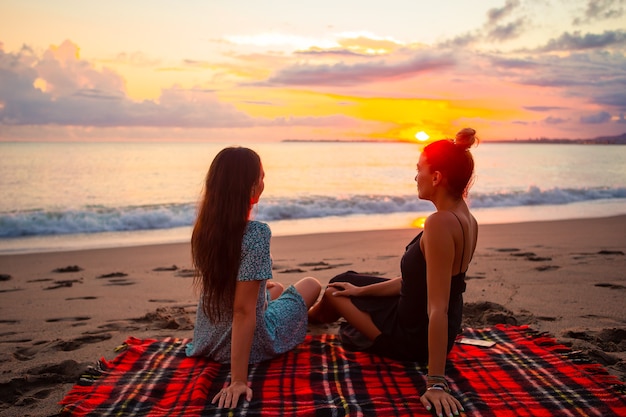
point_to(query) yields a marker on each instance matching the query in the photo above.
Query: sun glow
(422, 136)
(419, 222)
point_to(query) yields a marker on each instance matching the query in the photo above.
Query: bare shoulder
(439, 227)
(440, 220)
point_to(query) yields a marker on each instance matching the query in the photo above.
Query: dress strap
(463, 232)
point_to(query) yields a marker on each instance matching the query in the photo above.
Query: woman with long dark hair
(242, 317)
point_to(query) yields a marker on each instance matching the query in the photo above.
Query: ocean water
(61, 196)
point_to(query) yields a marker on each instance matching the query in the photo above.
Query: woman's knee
(342, 277)
(309, 288)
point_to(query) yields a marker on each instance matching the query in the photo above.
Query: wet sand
(61, 312)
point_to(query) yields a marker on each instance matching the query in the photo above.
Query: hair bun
(465, 138)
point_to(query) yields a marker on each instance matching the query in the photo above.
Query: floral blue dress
(281, 323)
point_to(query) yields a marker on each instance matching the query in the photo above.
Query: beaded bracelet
(438, 383)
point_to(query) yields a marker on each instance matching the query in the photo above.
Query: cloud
(494, 28)
(496, 14)
(555, 120)
(617, 99)
(543, 108)
(65, 73)
(462, 41)
(497, 31)
(351, 74)
(513, 63)
(59, 88)
(338, 52)
(602, 73)
(601, 10)
(506, 32)
(592, 76)
(578, 42)
(597, 118)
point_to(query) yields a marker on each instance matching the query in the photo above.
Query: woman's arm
(438, 247)
(379, 289)
(244, 324)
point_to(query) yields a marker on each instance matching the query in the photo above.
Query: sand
(61, 312)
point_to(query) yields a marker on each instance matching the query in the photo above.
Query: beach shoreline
(62, 311)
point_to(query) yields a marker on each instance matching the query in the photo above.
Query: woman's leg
(309, 288)
(323, 312)
(327, 312)
(344, 307)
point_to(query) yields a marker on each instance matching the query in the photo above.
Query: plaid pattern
(524, 374)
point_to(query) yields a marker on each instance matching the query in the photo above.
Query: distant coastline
(600, 140)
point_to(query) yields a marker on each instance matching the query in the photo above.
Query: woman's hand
(444, 402)
(229, 397)
(345, 289)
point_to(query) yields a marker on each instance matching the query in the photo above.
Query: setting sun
(422, 136)
(419, 222)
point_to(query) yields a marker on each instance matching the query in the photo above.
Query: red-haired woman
(417, 316)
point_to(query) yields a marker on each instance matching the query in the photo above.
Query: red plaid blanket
(524, 374)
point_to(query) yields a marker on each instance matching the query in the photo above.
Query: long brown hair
(218, 232)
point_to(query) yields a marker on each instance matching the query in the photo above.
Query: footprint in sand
(482, 313)
(610, 252)
(547, 318)
(40, 280)
(40, 382)
(59, 319)
(506, 249)
(88, 297)
(584, 255)
(116, 326)
(116, 278)
(531, 256)
(611, 286)
(607, 340)
(314, 266)
(74, 344)
(11, 290)
(66, 269)
(175, 318)
(41, 347)
(320, 266)
(112, 275)
(165, 268)
(4, 338)
(120, 282)
(478, 275)
(186, 273)
(547, 268)
(64, 284)
(291, 271)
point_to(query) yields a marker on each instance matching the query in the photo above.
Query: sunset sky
(244, 70)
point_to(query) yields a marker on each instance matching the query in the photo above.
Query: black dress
(402, 319)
